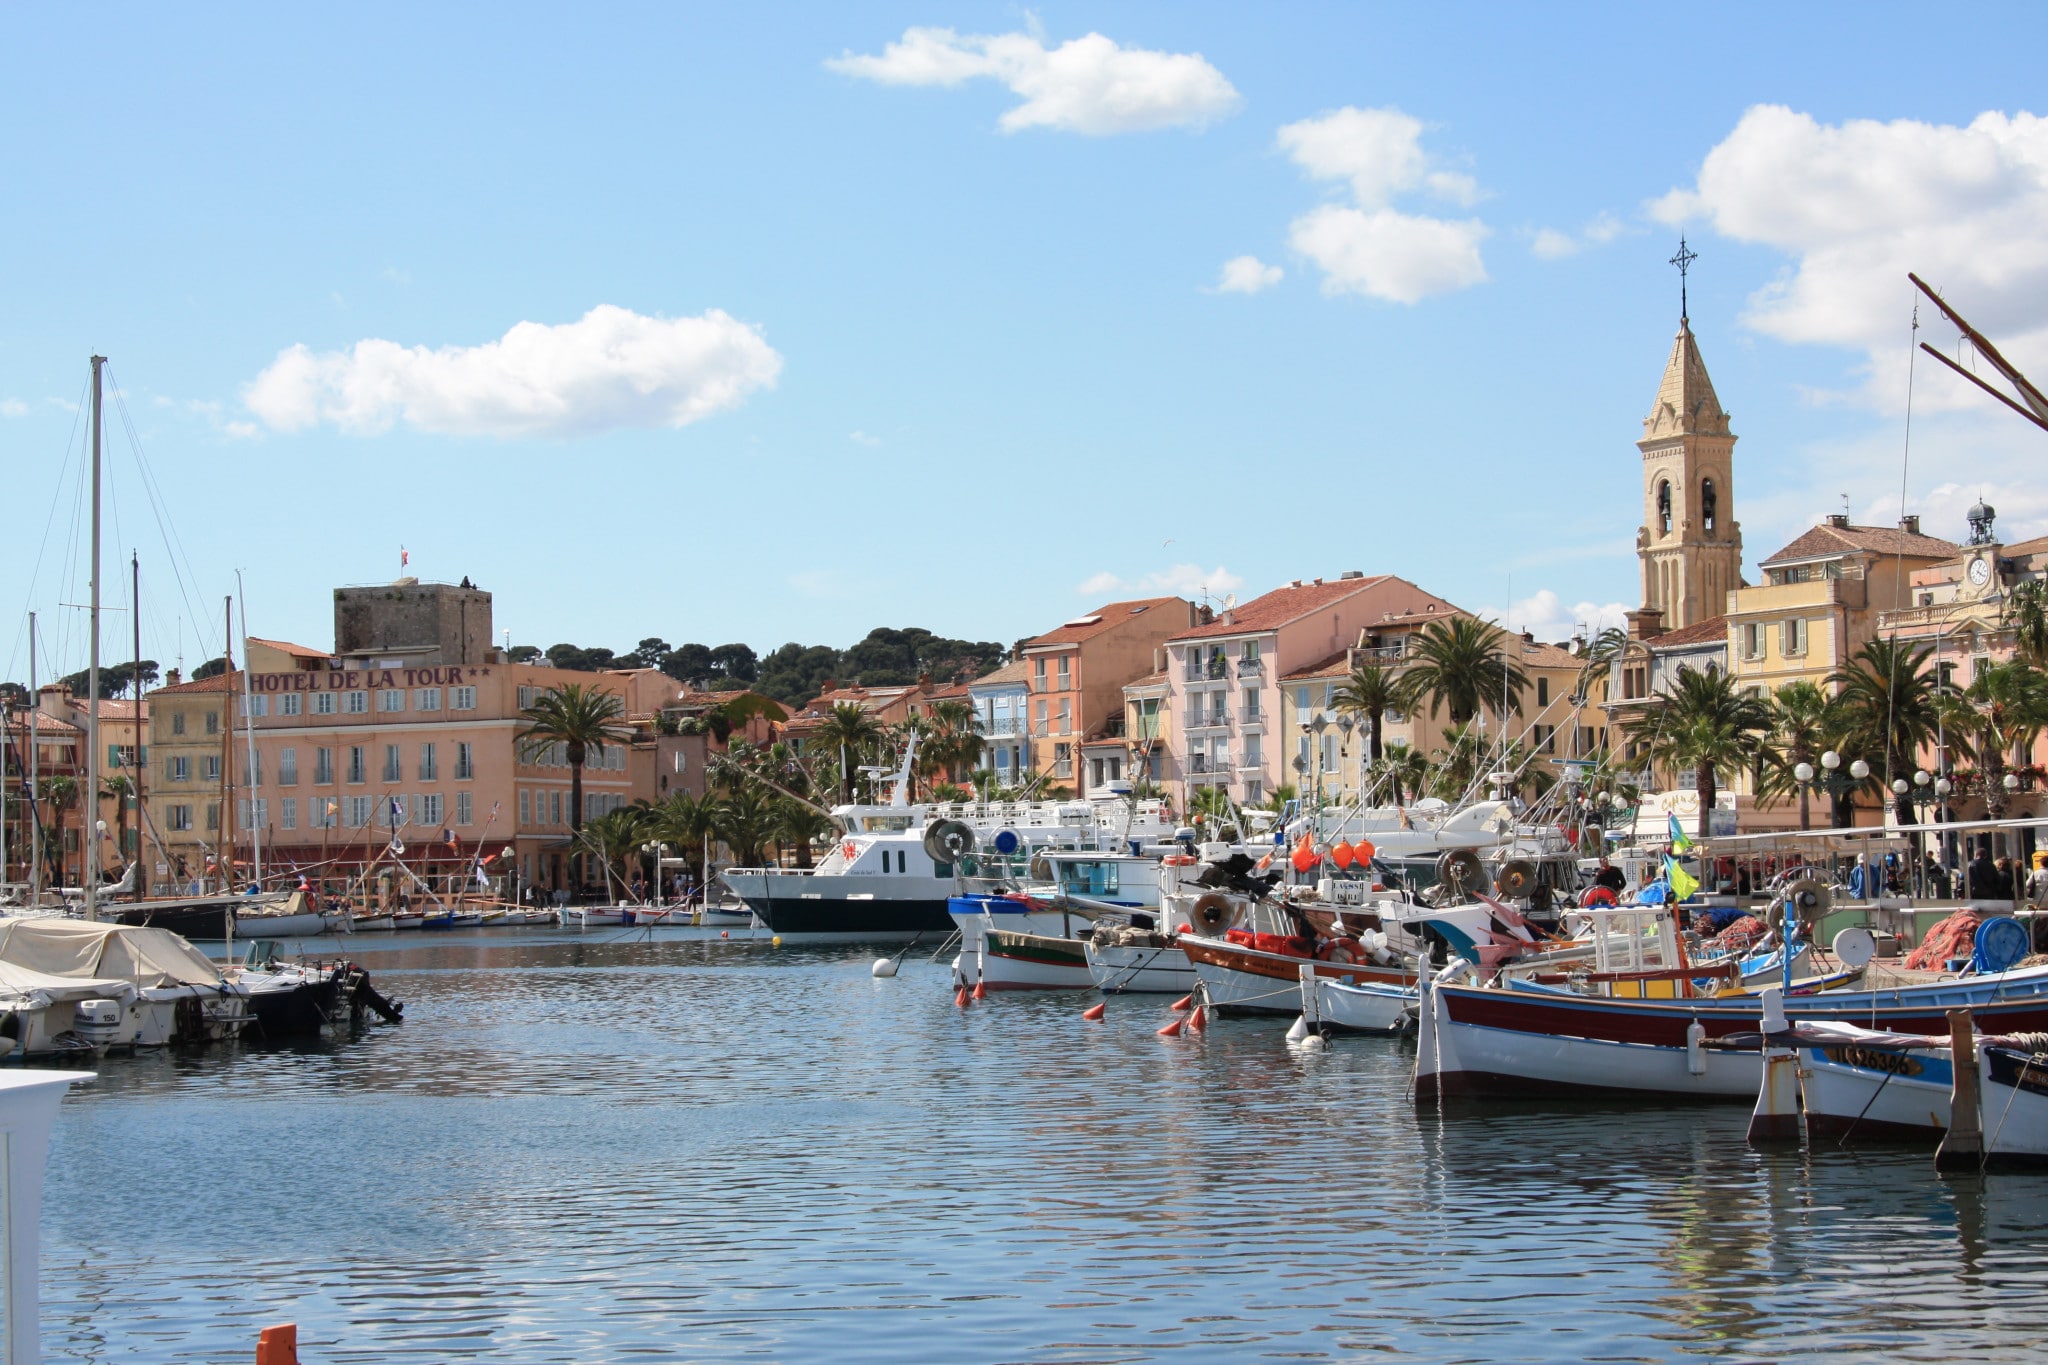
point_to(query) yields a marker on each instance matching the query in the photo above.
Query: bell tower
(1690, 544)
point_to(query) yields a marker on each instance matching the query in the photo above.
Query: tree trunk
(1703, 785)
(1373, 729)
(576, 866)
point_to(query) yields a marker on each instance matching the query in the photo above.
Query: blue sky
(934, 333)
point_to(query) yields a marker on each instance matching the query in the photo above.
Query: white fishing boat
(595, 916)
(1331, 1005)
(71, 986)
(2012, 1083)
(1129, 959)
(371, 924)
(296, 917)
(728, 914)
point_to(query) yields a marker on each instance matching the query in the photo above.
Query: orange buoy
(981, 990)
(1199, 1020)
(1186, 1002)
(1172, 1030)
(1095, 1011)
(725, 933)
(960, 998)
(278, 1345)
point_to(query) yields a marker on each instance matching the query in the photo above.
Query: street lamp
(656, 851)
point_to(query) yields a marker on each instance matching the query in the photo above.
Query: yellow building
(1820, 599)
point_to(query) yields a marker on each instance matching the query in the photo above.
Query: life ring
(1178, 860)
(1343, 951)
(1597, 895)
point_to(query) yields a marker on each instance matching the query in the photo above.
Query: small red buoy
(725, 933)
(1095, 1011)
(981, 990)
(1172, 1030)
(1199, 1020)
(960, 997)
(278, 1345)
(1182, 1005)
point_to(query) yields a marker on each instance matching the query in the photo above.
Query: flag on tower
(403, 558)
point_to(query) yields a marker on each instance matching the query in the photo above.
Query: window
(1252, 756)
(430, 808)
(555, 808)
(1254, 791)
(1094, 772)
(355, 703)
(209, 767)
(1753, 640)
(323, 767)
(525, 696)
(430, 764)
(253, 765)
(323, 703)
(180, 771)
(1546, 738)
(1216, 661)
(392, 816)
(525, 807)
(1038, 673)
(288, 767)
(1066, 714)
(1250, 652)
(1066, 674)
(288, 813)
(1301, 700)
(392, 768)
(1664, 507)
(1543, 691)
(213, 815)
(1251, 704)
(178, 728)
(323, 812)
(462, 698)
(253, 815)
(391, 699)
(358, 812)
(356, 775)
(181, 817)
(1194, 662)
(465, 766)
(465, 808)
(257, 705)
(1040, 728)
(427, 699)
(1707, 504)
(1062, 760)
(1330, 752)
(290, 704)
(1794, 636)
(213, 722)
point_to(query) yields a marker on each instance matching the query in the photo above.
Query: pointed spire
(1686, 404)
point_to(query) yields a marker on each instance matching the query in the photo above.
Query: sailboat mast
(35, 774)
(136, 764)
(92, 681)
(249, 742)
(226, 853)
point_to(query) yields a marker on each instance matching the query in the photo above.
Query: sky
(782, 323)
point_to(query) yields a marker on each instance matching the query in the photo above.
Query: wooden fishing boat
(1125, 960)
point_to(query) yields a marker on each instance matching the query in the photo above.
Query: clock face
(1980, 571)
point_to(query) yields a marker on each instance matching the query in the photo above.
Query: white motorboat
(1332, 1005)
(595, 916)
(77, 986)
(1126, 959)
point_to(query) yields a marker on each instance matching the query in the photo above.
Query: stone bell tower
(1690, 544)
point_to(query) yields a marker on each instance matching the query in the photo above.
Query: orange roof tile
(1698, 633)
(1091, 624)
(1827, 540)
(1281, 606)
(217, 683)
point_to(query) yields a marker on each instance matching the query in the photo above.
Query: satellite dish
(1460, 870)
(1517, 877)
(1229, 600)
(948, 841)
(1855, 946)
(1211, 914)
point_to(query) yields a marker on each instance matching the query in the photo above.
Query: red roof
(1828, 540)
(287, 647)
(1091, 624)
(1698, 633)
(217, 683)
(1281, 606)
(1339, 662)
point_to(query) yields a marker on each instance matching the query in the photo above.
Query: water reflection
(601, 1148)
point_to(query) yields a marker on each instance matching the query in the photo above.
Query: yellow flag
(1683, 883)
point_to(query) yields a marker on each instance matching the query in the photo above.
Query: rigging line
(1899, 565)
(56, 499)
(174, 545)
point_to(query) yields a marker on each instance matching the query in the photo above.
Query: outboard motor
(97, 1022)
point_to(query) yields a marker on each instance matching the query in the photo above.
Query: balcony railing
(1383, 655)
(1247, 667)
(1007, 725)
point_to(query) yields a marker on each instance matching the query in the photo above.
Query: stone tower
(1690, 544)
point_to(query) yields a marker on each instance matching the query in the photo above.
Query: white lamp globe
(1803, 771)
(1859, 770)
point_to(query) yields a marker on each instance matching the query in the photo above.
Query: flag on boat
(1683, 883)
(1680, 842)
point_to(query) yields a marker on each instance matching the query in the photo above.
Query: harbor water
(611, 1146)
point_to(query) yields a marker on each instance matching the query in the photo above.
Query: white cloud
(1858, 204)
(13, 407)
(1550, 244)
(1180, 580)
(1371, 247)
(861, 438)
(1545, 615)
(1088, 85)
(611, 369)
(1247, 275)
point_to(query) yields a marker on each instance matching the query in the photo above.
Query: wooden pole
(1962, 1146)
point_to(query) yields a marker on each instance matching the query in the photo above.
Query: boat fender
(1597, 895)
(1696, 1048)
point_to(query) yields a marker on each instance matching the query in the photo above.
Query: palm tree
(746, 820)
(799, 826)
(2001, 713)
(1601, 653)
(1403, 767)
(1704, 723)
(1804, 722)
(689, 823)
(1369, 693)
(118, 790)
(1458, 761)
(615, 837)
(56, 795)
(1460, 664)
(1888, 706)
(2028, 612)
(953, 743)
(852, 731)
(1610, 787)
(583, 721)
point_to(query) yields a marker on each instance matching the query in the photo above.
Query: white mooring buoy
(885, 966)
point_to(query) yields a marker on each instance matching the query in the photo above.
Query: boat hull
(280, 926)
(1371, 1008)
(1125, 969)
(1240, 980)
(2013, 1086)
(873, 907)
(1011, 961)
(1851, 1092)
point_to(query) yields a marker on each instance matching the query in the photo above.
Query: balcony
(1254, 722)
(1208, 721)
(1006, 726)
(1250, 668)
(1385, 656)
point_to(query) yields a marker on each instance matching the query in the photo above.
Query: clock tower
(1690, 545)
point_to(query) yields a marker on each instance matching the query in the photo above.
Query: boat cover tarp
(145, 957)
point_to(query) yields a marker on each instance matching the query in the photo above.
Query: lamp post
(1345, 724)
(656, 851)
(511, 857)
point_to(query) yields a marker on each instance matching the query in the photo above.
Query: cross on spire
(1683, 260)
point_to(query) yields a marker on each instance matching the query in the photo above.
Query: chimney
(831, 685)
(1208, 614)
(1839, 520)
(1910, 525)
(173, 678)
(1646, 623)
